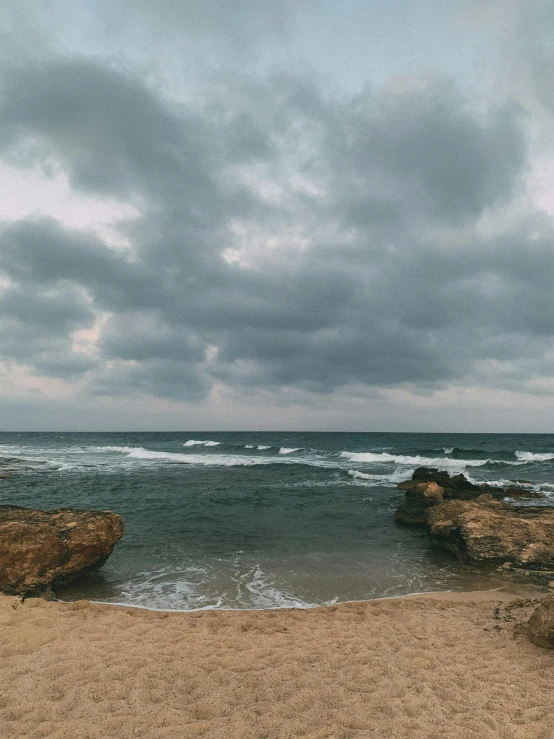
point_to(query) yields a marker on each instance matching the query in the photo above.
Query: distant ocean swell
(370, 468)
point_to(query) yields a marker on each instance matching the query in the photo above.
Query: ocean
(260, 519)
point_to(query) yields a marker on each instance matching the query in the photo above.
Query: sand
(436, 666)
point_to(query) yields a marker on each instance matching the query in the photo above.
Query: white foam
(139, 452)
(532, 457)
(286, 450)
(202, 442)
(198, 589)
(262, 447)
(219, 460)
(397, 476)
(357, 475)
(216, 460)
(228, 460)
(122, 449)
(445, 463)
(266, 595)
(448, 449)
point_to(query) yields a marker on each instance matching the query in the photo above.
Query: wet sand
(430, 667)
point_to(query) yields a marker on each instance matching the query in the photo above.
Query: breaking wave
(206, 459)
(194, 442)
(393, 478)
(214, 460)
(532, 457)
(419, 461)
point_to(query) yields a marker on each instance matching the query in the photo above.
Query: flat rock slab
(487, 530)
(39, 549)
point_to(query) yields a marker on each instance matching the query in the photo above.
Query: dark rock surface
(39, 549)
(421, 493)
(518, 493)
(418, 499)
(540, 627)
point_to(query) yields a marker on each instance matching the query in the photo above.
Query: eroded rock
(418, 497)
(518, 493)
(39, 549)
(488, 530)
(540, 627)
(478, 526)
(417, 500)
(430, 486)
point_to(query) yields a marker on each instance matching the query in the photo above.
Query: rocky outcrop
(418, 499)
(473, 522)
(540, 627)
(7, 467)
(522, 492)
(421, 493)
(10, 466)
(455, 486)
(430, 486)
(39, 549)
(488, 530)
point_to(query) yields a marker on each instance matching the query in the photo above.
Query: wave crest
(419, 461)
(535, 457)
(201, 442)
(392, 478)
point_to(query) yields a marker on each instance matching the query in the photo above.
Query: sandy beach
(430, 667)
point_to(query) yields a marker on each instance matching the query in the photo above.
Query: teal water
(260, 520)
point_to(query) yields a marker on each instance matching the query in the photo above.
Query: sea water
(260, 520)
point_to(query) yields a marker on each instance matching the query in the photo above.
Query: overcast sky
(277, 214)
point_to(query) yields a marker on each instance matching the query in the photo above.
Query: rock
(487, 530)
(6, 467)
(417, 499)
(431, 474)
(39, 549)
(540, 627)
(457, 486)
(405, 485)
(475, 524)
(518, 493)
(8, 461)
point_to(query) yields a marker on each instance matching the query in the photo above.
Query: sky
(277, 214)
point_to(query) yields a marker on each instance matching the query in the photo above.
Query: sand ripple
(410, 668)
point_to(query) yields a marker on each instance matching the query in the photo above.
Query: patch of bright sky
(32, 193)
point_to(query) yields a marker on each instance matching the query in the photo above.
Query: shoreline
(514, 590)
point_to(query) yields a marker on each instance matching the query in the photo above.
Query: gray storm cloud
(286, 238)
(392, 283)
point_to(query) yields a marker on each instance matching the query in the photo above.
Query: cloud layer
(287, 239)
